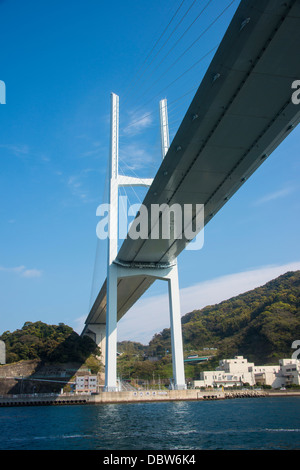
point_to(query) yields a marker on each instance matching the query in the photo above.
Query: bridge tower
(115, 271)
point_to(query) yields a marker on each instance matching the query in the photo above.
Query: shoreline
(149, 396)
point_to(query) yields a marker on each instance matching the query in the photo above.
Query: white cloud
(77, 189)
(151, 315)
(134, 157)
(30, 273)
(138, 123)
(18, 150)
(275, 195)
(96, 151)
(73, 182)
(79, 184)
(22, 271)
(23, 151)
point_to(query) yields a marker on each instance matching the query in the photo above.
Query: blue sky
(60, 60)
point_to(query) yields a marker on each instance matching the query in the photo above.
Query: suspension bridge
(239, 115)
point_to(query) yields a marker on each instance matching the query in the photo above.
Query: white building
(231, 372)
(286, 373)
(86, 384)
(238, 371)
(290, 371)
(268, 375)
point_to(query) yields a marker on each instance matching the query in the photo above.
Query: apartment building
(230, 373)
(268, 375)
(290, 370)
(86, 384)
(238, 372)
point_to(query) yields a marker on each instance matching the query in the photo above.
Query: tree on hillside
(51, 343)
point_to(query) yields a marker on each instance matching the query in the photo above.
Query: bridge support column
(176, 331)
(112, 277)
(111, 330)
(169, 274)
(97, 331)
(116, 271)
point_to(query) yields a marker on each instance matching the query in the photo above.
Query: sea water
(267, 423)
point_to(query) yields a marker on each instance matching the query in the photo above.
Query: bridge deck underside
(241, 112)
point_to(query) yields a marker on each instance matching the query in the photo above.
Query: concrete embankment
(172, 395)
(43, 399)
(125, 397)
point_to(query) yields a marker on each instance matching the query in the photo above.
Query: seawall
(127, 397)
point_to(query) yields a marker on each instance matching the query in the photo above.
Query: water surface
(237, 424)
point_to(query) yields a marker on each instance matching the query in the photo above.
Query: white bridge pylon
(116, 272)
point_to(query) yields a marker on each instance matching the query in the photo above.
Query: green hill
(260, 324)
(51, 343)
